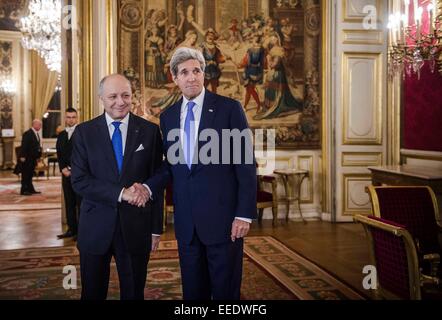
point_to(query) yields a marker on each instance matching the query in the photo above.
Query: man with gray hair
(30, 151)
(112, 156)
(214, 202)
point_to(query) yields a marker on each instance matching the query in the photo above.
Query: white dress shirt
(123, 128)
(37, 135)
(70, 131)
(197, 111)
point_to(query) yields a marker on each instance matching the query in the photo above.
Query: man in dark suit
(64, 152)
(214, 201)
(112, 155)
(30, 151)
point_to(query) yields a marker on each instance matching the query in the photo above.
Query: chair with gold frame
(41, 165)
(393, 253)
(168, 205)
(265, 199)
(416, 208)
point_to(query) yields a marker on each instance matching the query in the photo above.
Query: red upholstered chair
(168, 205)
(266, 199)
(393, 252)
(416, 208)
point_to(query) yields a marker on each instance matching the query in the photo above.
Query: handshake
(137, 195)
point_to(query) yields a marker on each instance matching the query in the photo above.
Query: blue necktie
(117, 143)
(189, 130)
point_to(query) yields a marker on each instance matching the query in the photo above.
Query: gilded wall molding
(420, 154)
(86, 53)
(362, 128)
(363, 37)
(326, 96)
(306, 162)
(353, 185)
(353, 10)
(361, 159)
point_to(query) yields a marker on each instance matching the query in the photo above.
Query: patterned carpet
(271, 272)
(10, 198)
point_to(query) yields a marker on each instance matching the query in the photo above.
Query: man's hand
(240, 229)
(66, 172)
(155, 242)
(22, 159)
(136, 195)
(142, 192)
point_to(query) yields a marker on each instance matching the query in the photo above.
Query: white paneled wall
(356, 125)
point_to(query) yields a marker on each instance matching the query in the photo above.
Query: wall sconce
(7, 87)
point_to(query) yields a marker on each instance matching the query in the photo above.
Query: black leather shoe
(67, 234)
(26, 193)
(35, 192)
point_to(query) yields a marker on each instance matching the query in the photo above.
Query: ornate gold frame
(376, 206)
(86, 70)
(412, 260)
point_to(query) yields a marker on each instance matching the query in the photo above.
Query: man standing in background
(64, 151)
(30, 151)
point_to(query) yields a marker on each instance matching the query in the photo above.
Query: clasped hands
(136, 195)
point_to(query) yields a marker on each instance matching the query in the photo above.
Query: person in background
(30, 151)
(64, 151)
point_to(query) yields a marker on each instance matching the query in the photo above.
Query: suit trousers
(132, 271)
(72, 203)
(211, 271)
(27, 172)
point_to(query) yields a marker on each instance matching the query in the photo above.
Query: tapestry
(263, 53)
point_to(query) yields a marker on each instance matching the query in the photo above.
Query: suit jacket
(96, 179)
(30, 147)
(208, 197)
(64, 150)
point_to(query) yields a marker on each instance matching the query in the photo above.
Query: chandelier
(41, 31)
(414, 43)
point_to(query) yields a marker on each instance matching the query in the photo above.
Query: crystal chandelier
(41, 31)
(414, 43)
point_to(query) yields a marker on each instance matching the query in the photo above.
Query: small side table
(292, 179)
(8, 148)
